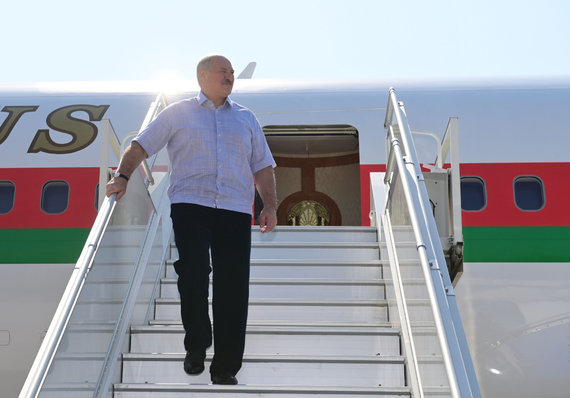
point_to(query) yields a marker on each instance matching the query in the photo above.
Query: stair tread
(334, 274)
(308, 261)
(310, 244)
(305, 281)
(168, 322)
(304, 262)
(310, 228)
(256, 388)
(314, 244)
(144, 356)
(309, 302)
(179, 356)
(365, 330)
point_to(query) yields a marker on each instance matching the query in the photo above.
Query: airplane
(327, 137)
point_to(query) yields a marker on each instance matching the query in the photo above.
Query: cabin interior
(318, 174)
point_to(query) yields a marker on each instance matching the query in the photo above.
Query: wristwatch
(117, 174)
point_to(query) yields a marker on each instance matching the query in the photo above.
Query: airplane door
(318, 180)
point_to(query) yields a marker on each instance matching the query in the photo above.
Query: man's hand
(265, 183)
(117, 185)
(267, 219)
(130, 160)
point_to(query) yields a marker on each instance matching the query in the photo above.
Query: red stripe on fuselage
(501, 210)
(29, 182)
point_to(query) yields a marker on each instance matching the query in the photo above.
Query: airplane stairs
(333, 312)
(318, 325)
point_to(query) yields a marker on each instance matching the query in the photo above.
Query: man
(218, 154)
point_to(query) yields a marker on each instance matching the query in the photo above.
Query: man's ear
(201, 75)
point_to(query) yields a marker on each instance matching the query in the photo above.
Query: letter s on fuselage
(82, 132)
(14, 114)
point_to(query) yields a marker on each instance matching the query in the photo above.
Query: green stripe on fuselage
(516, 244)
(33, 246)
(482, 244)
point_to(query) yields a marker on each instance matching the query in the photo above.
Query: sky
(74, 40)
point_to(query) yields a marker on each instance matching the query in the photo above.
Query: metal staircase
(318, 324)
(334, 311)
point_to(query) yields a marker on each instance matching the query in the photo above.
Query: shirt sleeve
(156, 134)
(261, 154)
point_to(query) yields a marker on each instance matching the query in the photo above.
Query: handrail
(461, 376)
(414, 367)
(115, 345)
(47, 350)
(420, 232)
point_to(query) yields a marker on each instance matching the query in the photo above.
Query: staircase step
(73, 390)
(115, 251)
(300, 288)
(269, 310)
(302, 324)
(311, 250)
(112, 270)
(288, 340)
(402, 233)
(414, 288)
(365, 371)
(340, 371)
(318, 323)
(283, 267)
(124, 234)
(405, 251)
(150, 390)
(295, 310)
(316, 234)
(427, 343)
(317, 288)
(116, 289)
(77, 366)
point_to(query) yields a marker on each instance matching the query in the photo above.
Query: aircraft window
(7, 194)
(529, 193)
(55, 197)
(473, 194)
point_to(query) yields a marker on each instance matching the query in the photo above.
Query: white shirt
(214, 152)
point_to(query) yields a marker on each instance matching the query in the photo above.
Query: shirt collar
(205, 101)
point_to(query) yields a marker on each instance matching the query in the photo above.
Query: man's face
(218, 79)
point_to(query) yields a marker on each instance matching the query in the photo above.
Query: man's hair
(204, 64)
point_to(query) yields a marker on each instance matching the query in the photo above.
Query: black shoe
(194, 362)
(224, 379)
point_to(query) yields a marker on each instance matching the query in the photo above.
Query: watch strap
(122, 176)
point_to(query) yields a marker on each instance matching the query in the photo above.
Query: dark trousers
(200, 231)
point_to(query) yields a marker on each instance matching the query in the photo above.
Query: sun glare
(171, 81)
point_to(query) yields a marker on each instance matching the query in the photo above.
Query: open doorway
(318, 174)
